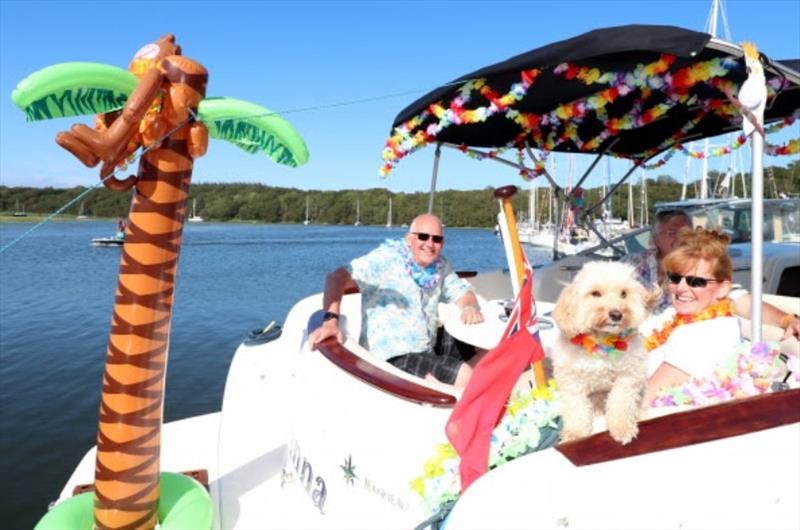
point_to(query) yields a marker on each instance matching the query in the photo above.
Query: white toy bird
(753, 93)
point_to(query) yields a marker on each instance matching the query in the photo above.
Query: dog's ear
(565, 309)
(652, 297)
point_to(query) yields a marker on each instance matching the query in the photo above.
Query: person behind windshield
(650, 268)
(401, 284)
(700, 329)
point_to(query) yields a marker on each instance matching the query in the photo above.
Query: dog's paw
(624, 433)
(568, 435)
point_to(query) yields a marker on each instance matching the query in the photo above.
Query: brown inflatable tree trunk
(131, 408)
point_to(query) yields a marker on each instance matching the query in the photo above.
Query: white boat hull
(748, 481)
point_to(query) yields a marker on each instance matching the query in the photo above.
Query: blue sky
(313, 61)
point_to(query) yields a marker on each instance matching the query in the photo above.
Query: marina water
(56, 299)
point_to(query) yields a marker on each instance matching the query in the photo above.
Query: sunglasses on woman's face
(422, 236)
(698, 282)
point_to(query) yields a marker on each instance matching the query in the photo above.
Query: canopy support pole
(757, 241)
(614, 188)
(591, 168)
(436, 157)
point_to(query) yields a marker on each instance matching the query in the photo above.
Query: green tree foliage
(255, 202)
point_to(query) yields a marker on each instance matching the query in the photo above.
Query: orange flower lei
(723, 308)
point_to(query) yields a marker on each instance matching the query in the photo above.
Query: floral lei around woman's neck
(723, 308)
(428, 277)
(604, 346)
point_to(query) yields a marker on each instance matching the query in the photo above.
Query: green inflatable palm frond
(254, 129)
(73, 89)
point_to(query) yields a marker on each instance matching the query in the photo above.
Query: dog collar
(604, 346)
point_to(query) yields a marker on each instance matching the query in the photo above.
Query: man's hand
(471, 314)
(792, 328)
(329, 328)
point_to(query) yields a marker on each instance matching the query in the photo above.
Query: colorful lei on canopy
(749, 371)
(606, 345)
(723, 308)
(657, 91)
(427, 278)
(531, 422)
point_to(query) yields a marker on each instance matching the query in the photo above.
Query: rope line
(348, 103)
(91, 189)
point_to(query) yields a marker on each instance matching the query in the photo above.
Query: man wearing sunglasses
(401, 284)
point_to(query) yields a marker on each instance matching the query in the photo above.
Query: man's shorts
(443, 362)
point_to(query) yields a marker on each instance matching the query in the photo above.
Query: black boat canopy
(628, 91)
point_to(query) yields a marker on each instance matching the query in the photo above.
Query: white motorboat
(117, 240)
(332, 439)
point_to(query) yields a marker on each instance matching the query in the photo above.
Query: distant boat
(116, 241)
(82, 215)
(358, 214)
(18, 212)
(307, 221)
(389, 218)
(195, 218)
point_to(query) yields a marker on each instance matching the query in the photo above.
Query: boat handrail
(374, 375)
(698, 425)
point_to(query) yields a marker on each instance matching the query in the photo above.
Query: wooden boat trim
(375, 376)
(691, 427)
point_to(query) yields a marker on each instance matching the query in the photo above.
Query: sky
(338, 71)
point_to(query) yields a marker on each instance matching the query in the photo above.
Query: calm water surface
(56, 298)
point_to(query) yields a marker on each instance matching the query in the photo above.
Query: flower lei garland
(605, 346)
(528, 419)
(563, 122)
(723, 308)
(749, 371)
(427, 278)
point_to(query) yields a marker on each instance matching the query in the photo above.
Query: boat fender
(183, 503)
(263, 335)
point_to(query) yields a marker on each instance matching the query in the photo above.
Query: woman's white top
(696, 348)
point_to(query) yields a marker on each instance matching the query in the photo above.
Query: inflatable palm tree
(157, 105)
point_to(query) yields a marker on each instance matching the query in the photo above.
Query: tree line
(268, 204)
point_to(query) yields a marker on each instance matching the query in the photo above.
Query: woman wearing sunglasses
(700, 329)
(651, 270)
(401, 284)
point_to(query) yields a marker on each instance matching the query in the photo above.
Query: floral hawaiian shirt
(397, 315)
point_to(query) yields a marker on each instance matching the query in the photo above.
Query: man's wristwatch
(329, 315)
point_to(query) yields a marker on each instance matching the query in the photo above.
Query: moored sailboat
(194, 218)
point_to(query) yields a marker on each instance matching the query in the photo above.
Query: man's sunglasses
(697, 282)
(422, 236)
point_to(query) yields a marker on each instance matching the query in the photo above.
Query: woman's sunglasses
(697, 282)
(422, 236)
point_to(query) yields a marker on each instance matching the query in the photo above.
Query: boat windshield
(732, 216)
(781, 220)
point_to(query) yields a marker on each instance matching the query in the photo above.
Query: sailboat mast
(717, 10)
(631, 218)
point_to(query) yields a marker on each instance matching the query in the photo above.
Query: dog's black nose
(615, 315)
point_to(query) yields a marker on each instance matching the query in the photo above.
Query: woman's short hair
(701, 244)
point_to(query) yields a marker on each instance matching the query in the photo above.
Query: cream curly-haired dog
(599, 358)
